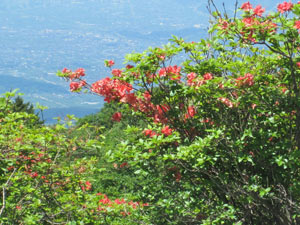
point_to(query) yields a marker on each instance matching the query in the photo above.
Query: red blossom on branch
(116, 72)
(128, 67)
(123, 164)
(117, 116)
(223, 24)
(80, 72)
(149, 133)
(65, 70)
(297, 25)
(111, 89)
(284, 7)
(172, 71)
(208, 76)
(226, 102)
(34, 174)
(245, 80)
(246, 6)
(191, 111)
(110, 63)
(166, 130)
(190, 78)
(74, 86)
(258, 11)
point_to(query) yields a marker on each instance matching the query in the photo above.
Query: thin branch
(3, 192)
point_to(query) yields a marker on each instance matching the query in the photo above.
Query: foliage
(115, 178)
(42, 179)
(223, 140)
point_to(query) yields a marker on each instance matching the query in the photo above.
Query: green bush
(223, 135)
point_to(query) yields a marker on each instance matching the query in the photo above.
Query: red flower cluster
(128, 67)
(123, 164)
(246, 6)
(106, 202)
(190, 79)
(253, 25)
(284, 7)
(207, 76)
(87, 186)
(191, 112)
(258, 10)
(193, 81)
(160, 114)
(116, 90)
(110, 63)
(166, 130)
(74, 86)
(172, 71)
(80, 72)
(246, 80)
(116, 72)
(117, 116)
(34, 174)
(223, 24)
(150, 133)
(226, 102)
(297, 25)
(112, 89)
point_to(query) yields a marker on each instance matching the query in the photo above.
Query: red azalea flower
(123, 164)
(166, 130)
(191, 112)
(65, 70)
(34, 175)
(88, 185)
(208, 76)
(223, 25)
(74, 86)
(226, 102)
(284, 7)
(116, 72)
(172, 71)
(80, 72)
(110, 63)
(258, 11)
(117, 116)
(150, 133)
(297, 24)
(298, 64)
(190, 78)
(129, 66)
(147, 96)
(248, 21)
(245, 80)
(111, 89)
(246, 6)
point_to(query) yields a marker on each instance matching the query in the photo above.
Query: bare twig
(4, 192)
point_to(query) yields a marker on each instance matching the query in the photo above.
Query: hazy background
(39, 37)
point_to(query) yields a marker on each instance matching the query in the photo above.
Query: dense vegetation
(215, 140)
